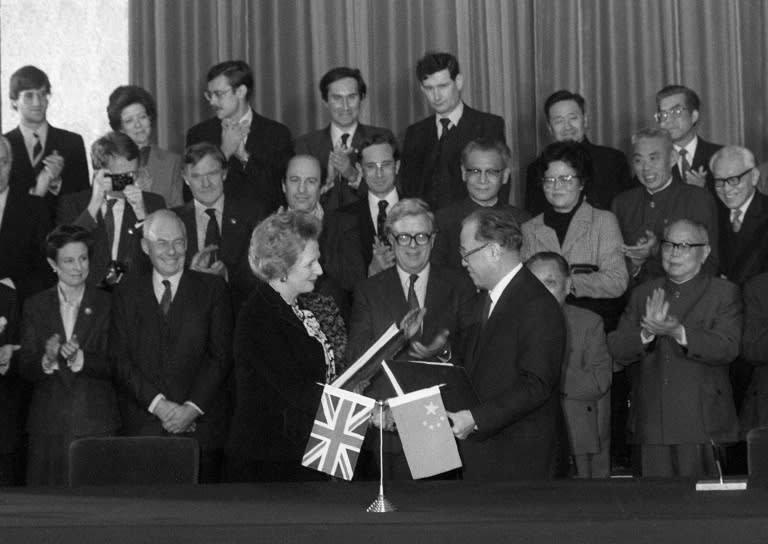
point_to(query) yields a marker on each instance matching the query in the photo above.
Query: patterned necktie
(736, 220)
(344, 139)
(413, 301)
(165, 302)
(37, 152)
(109, 223)
(381, 220)
(684, 161)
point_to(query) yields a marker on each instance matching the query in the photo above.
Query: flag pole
(381, 504)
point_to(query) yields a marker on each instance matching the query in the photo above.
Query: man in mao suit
(171, 344)
(14, 392)
(513, 355)
(47, 161)
(24, 224)
(257, 149)
(432, 146)
(337, 146)
(205, 174)
(677, 336)
(116, 240)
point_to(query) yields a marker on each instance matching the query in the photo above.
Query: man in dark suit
(567, 120)
(113, 210)
(171, 346)
(13, 391)
(337, 146)
(257, 149)
(678, 110)
(24, 224)
(514, 351)
(677, 337)
(485, 170)
(354, 244)
(218, 227)
(433, 145)
(47, 161)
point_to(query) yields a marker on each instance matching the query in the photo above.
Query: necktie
(109, 223)
(37, 154)
(344, 139)
(446, 123)
(212, 232)
(684, 162)
(736, 220)
(413, 301)
(381, 220)
(165, 302)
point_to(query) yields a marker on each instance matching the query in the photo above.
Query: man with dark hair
(337, 146)
(567, 120)
(433, 145)
(678, 110)
(113, 210)
(513, 356)
(257, 149)
(47, 161)
(218, 226)
(485, 170)
(355, 244)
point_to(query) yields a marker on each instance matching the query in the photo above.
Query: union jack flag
(338, 432)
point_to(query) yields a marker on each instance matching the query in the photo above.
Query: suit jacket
(638, 211)
(514, 363)
(76, 403)
(269, 146)
(318, 144)
(14, 392)
(165, 169)
(593, 237)
(74, 176)
(586, 382)
(448, 219)
(754, 409)
(704, 152)
(422, 164)
(277, 370)
(380, 301)
(682, 395)
(610, 176)
(239, 217)
(744, 254)
(73, 209)
(25, 224)
(186, 356)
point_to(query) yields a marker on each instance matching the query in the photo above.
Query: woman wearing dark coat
(63, 353)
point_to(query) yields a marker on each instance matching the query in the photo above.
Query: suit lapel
(367, 230)
(578, 229)
(397, 306)
(187, 215)
(125, 249)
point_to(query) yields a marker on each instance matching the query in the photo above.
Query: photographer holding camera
(113, 210)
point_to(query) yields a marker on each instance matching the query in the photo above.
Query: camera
(120, 181)
(115, 272)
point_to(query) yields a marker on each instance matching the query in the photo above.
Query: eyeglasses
(492, 174)
(674, 113)
(179, 244)
(733, 181)
(564, 181)
(210, 95)
(214, 175)
(29, 96)
(374, 167)
(467, 254)
(681, 248)
(420, 238)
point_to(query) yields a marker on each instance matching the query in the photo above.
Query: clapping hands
(657, 321)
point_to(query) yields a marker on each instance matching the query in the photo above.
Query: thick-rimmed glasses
(733, 181)
(467, 254)
(405, 239)
(29, 96)
(681, 248)
(214, 175)
(674, 113)
(568, 181)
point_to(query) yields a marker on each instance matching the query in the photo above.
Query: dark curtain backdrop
(513, 54)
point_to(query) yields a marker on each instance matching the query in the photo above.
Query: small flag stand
(381, 504)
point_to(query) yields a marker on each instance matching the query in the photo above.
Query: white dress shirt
(373, 205)
(498, 289)
(454, 117)
(419, 286)
(202, 219)
(118, 211)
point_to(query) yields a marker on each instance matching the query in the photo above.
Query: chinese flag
(425, 432)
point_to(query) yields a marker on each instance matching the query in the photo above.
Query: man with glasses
(218, 226)
(336, 146)
(257, 149)
(432, 146)
(171, 347)
(513, 354)
(113, 209)
(485, 170)
(412, 283)
(678, 110)
(47, 161)
(643, 212)
(567, 120)
(677, 337)
(355, 244)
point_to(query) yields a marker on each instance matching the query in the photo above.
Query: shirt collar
(336, 133)
(498, 289)
(75, 301)
(454, 116)
(744, 207)
(28, 133)
(218, 206)
(157, 282)
(391, 197)
(657, 191)
(405, 277)
(247, 118)
(690, 149)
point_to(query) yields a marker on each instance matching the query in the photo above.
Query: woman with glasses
(132, 110)
(588, 238)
